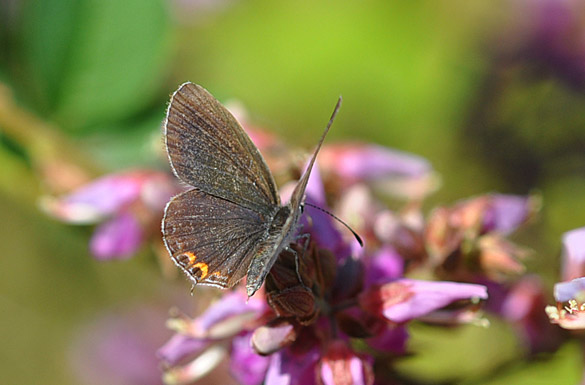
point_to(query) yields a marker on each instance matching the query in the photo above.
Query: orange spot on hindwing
(189, 262)
(203, 267)
(192, 257)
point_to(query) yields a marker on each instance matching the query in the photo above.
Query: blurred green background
(492, 93)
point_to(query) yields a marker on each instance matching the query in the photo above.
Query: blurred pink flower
(340, 365)
(129, 204)
(405, 299)
(573, 256)
(200, 344)
(119, 348)
(522, 307)
(569, 313)
(398, 173)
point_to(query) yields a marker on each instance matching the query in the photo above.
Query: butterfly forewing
(221, 159)
(211, 239)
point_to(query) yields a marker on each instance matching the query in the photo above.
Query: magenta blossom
(395, 172)
(204, 342)
(320, 306)
(119, 347)
(129, 205)
(570, 295)
(573, 256)
(341, 365)
(571, 315)
(405, 299)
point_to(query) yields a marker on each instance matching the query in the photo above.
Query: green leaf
(96, 60)
(48, 28)
(134, 144)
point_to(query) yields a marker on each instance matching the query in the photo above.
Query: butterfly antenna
(357, 237)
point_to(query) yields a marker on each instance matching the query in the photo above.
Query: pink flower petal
(98, 199)
(247, 366)
(573, 258)
(119, 348)
(406, 299)
(429, 296)
(179, 347)
(118, 238)
(270, 338)
(566, 291)
(385, 265)
(227, 316)
(505, 213)
(368, 162)
(340, 366)
(287, 368)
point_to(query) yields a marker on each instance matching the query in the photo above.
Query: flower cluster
(332, 312)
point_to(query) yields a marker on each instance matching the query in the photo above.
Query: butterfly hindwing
(212, 240)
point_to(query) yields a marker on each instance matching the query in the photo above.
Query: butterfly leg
(307, 238)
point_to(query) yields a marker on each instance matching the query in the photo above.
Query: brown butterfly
(231, 223)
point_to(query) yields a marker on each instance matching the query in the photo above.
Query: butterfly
(231, 223)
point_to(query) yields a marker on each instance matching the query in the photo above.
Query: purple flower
(573, 256)
(290, 368)
(328, 291)
(572, 315)
(555, 40)
(247, 366)
(384, 265)
(356, 162)
(317, 222)
(181, 346)
(200, 343)
(522, 306)
(566, 291)
(319, 302)
(405, 299)
(570, 296)
(119, 348)
(505, 213)
(399, 173)
(340, 365)
(119, 237)
(130, 204)
(476, 228)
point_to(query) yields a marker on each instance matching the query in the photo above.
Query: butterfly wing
(211, 239)
(209, 150)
